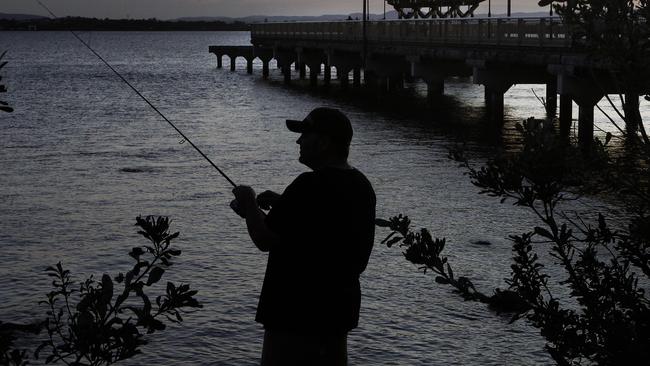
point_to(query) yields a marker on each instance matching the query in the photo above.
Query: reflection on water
(82, 157)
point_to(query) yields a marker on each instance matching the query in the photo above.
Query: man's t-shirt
(326, 222)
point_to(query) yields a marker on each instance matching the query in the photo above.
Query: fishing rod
(143, 97)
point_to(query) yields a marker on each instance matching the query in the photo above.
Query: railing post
(499, 34)
(521, 31)
(542, 31)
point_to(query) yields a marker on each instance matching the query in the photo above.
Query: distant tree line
(94, 24)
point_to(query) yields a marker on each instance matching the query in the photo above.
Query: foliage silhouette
(91, 323)
(598, 312)
(4, 106)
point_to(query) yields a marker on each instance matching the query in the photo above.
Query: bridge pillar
(498, 78)
(285, 57)
(495, 102)
(249, 65)
(219, 61)
(434, 72)
(356, 77)
(265, 55)
(313, 58)
(303, 70)
(495, 90)
(395, 83)
(551, 97)
(233, 60)
(435, 90)
(265, 69)
(327, 73)
(631, 110)
(344, 63)
(389, 69)
(286, 73)
(585, 124)
(343, 76)
(566, 115)
(313, 75)
(586, 93)
(369, 79)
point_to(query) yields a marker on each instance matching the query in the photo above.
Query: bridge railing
(516, 32)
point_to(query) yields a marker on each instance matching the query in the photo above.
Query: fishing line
(185, 138)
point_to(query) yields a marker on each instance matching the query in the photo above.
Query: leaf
(543, 232)
(119, 278)
(107, 288)
(442, 280)
(608, 137)
(155, 275)
(128, 278)
(174, 252)
(136, 252)
(393, 241)
(382, 223)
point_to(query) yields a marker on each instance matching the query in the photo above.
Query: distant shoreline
(128, 25)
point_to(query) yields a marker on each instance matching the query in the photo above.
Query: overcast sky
(169, 9)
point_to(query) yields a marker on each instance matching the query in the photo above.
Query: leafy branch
(102, 327)
(596, 310)
(4, 106)
(421, 249)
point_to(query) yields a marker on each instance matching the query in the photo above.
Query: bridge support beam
(494, 95)
(285, 57)
(327, 73)
(313, 58)
(219, 61)
(343, 76)
(586, 93)
(313, 76)
(435, 90)
(233, 62)
(498, 78)
(566, 115)
(585, 124)
(344, 63)
(434, 72)
(551, 97)
(302, 69)
(356, 77)
(389, 70)
(265, 55)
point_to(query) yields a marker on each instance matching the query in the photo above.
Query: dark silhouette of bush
(4, 106)
(90, 323)
(605, 319)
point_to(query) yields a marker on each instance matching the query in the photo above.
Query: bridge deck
(519, 32)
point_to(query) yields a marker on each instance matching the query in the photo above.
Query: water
(82, 156)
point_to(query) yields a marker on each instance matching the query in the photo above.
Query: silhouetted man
(319, 234)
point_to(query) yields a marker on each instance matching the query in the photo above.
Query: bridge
(496, 52)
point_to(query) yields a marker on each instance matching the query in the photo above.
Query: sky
(170, 9)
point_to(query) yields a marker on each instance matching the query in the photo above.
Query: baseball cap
(324, 121)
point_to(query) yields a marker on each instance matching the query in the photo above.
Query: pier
(496, 52)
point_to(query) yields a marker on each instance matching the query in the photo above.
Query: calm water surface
(82, 156)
